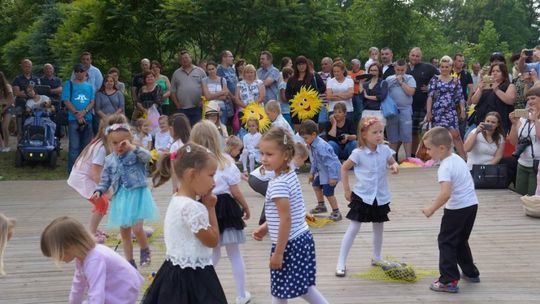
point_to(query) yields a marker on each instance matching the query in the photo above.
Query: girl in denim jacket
(132, 202)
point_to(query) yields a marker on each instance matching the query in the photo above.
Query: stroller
(38, 143)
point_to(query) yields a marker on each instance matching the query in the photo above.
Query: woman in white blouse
(250, 89)
(340, 89)
(485, 144)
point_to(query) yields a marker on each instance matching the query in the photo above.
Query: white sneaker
(244, 300)
(6, 149)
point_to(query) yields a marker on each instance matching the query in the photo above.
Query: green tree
(488, 42)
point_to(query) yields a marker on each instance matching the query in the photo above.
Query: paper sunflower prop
(256, 110)
(306, 103)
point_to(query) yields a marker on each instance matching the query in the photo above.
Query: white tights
(237, 263)
(349, 237)
(313, 296)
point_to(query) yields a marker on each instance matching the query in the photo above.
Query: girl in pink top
(102, 273)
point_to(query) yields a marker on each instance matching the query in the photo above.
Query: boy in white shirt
(457, 191)
(273, 110)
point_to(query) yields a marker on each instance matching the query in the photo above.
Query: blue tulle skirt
(131, 206)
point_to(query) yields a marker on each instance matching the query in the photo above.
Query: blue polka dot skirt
(298, 271)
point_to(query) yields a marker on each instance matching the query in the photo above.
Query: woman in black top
(374, 92)
(150, 93)
(340, 132)
(499, 96)
(303, 76)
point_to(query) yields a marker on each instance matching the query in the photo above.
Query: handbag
(389, 108)
(489, 176)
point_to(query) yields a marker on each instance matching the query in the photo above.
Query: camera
(367, 77)
(342, 137)
(522, 144)
(81, 127)
(487, 126)
(528, 53)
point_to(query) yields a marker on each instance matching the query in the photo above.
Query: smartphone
(363, 76)
(528, 53)
(522, 113)
(487, 126)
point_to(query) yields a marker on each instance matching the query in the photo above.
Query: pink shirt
(107, 277)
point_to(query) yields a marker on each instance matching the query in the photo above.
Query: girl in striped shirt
(292, 261)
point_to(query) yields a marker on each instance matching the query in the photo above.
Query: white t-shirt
(144, 141)
(482, 151)
(31, 103)
(251, 141)
(163, 141)
(183, 219)
(176, 145)
(453, 169)
(228, 176)
(526, 159)
(338, 87)
(80, 177)
(287, 186)
(282, 123)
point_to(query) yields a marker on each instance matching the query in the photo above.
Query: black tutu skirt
(362, 212)
(174, 284)
(229, 213)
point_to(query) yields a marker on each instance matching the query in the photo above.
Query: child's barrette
(173, 155)
(115, 127)
(369, 122)
(188, 148)
(284, 139)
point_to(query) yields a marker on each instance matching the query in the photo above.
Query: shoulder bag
(389, 108)
(490, 176)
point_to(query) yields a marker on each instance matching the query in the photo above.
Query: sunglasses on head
(79, 71)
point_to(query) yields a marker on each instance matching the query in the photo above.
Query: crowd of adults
(439, 93)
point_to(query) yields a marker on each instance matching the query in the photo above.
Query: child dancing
(292, 261)
(190, 230)
(132, 202)
(105, 275)
(370, 196)
(231, 206)
(325, 166)
(457, 192)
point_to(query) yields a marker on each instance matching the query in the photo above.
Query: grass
(31, 171)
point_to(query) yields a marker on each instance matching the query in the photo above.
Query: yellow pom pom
(306, 103)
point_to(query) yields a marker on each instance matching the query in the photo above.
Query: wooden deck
(505, 244)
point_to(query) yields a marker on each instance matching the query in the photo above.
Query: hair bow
(369, 122)
(115, 127)
(173, 155)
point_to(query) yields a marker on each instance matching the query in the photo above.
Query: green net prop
(392, 271)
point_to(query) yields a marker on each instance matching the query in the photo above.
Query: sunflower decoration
(306, 103)
(256, 110)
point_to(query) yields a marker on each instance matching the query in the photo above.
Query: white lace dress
(187, 275)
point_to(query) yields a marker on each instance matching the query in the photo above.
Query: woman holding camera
(485, 143)
(495, 93)
(525, 135)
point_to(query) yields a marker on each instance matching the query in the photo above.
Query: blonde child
(143, 136)
(251, 140)
(163, 140)
(292, 261)
(370, 196)
(325, 166)
(233, 146)
(190, 231)
(457, 192)
(273, 111)
(104, 274)
(180, 129)
(231, 206)
(86, 173)
(7, 225)
(132, 202)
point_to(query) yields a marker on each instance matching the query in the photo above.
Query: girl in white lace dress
(190, 229)
(231, 206)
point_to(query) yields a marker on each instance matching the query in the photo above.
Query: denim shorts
(399, 127)
(327, 190)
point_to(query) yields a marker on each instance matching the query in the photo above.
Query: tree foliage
(121, 32)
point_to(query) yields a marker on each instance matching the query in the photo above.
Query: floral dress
(446, 97)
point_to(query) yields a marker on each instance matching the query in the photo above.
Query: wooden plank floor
(505, 244)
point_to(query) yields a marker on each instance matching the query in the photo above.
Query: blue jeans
(193, 114)
(78, 139)
(343, 152)
(358, 107)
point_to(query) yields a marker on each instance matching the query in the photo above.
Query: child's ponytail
(163, 170)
